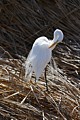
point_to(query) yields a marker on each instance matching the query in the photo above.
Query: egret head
(58, 37)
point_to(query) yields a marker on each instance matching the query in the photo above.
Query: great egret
(41, 53)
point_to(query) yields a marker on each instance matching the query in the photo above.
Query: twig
(25, 97)
(12, 95)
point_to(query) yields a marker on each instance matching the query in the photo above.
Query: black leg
(46, 79)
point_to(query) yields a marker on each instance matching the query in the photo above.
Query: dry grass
(21, 22)
(21, 100)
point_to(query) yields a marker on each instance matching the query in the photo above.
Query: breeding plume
(41, 53)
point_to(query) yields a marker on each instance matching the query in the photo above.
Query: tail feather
(28, 68)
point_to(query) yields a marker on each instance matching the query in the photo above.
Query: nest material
(25, 100)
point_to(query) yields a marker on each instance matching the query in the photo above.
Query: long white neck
(58, 37)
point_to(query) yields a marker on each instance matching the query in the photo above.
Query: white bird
(41, 53)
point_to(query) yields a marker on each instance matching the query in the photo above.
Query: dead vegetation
(21, 100)
(21, 22)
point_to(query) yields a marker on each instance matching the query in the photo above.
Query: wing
(28, 67)
(41, 57)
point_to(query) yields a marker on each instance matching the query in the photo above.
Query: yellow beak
(55, 43)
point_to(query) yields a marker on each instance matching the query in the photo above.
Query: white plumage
(41, 53)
